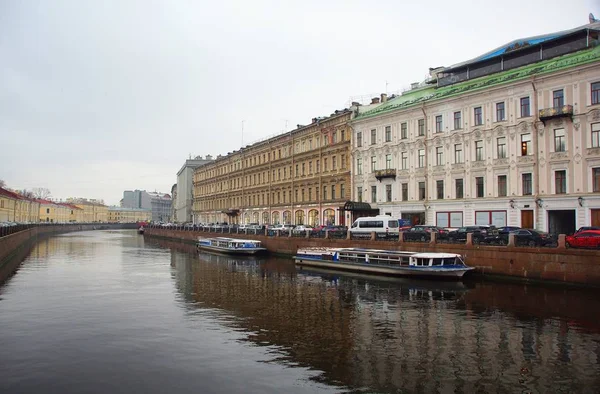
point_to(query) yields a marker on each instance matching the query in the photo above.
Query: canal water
(114, 312)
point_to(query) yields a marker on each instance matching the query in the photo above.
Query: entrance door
(595, 217)
(527, 218)
(561, 221)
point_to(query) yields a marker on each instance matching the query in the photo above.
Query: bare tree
(41, 192)
(26, 193)
(2, 183)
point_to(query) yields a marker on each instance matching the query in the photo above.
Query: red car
(584, 239)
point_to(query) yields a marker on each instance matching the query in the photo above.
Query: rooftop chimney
(383, 97)
(355, 104)
(375, 100)
(414, 85)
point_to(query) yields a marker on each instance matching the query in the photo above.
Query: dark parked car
(334, 231)
(423, 233)
(584, 239)
(480, 233)
(533, 238)
(502, 237)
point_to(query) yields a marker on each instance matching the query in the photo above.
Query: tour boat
(230, 245)
(384, 262)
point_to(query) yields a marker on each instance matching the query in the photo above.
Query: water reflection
(384, 335)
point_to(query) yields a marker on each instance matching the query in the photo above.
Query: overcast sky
(98, 97)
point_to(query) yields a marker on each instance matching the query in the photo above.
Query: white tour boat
(384, 262)
(230, 245)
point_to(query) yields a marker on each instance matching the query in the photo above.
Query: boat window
(449, 261)
(438, 262)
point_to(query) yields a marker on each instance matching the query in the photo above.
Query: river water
(114, 312)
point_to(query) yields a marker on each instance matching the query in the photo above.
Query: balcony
(566, 111)
(387, 173)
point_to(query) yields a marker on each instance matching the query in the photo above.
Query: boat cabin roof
(435, 255)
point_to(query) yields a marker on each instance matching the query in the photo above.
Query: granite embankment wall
(12, 245)
(551, 265)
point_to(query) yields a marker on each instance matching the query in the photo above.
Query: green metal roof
(418, 96)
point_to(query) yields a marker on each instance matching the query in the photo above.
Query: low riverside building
(299, 177)
(94, 211)
(128, 215)
(15, 207)
(58, 212)
(511, 137)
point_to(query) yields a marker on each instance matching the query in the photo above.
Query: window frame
(528, 182)
(479, 156)
(563, 182)
(460, 195)
(560, 141)
(439, 189)
(403, 130)
(525, 107)
(457, 120)
(439, 124)
(478, 116)
(388, 133)
(595, 93)
(501, 153)
(500, 110)
(558, 98)
(502, 185)
(479, 185)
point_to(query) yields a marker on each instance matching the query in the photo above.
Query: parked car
(284, 228)
(502, 237)
(334, 230)
(584, 239)
(533, 238)
(586, 228)
(479, 233)
(423, 233)
(301, 229)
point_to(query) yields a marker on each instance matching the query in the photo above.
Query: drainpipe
(426, 202)
(536, 169)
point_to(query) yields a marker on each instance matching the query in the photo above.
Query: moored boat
(384, 262)
(230, 245)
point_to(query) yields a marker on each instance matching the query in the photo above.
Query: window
(325, 165)
(558, 98)
(439, 156)
(388, 161)
(343, 135)
(526, 148)
(373, 136)
(502, 186)
(403, 131)
(359, 139)
(388, 193)
(373, 193)
(525, 109)
(334, 137)
(527, 184)
(373, 163)
(297, 170)
(343, 161)
(596, 179)
(596, 135)
(405, 190)
(334, 163)
(478, 150)
(318, 167)
(324, 192)
(457, 120)
(333, 192)
(500, 114)
(560, 182)
(359, 194)
(421, 190)
(325, 140)
(359, 166)
(310, 194)
(421, 127)
(501, 144)
(342, 191)
(439, 185)
(458, 185)
(388, 133)
(595, 93)
(479, 192)
(438, 124)
(404, 160)
(478, 116)
(421, 158)
(559, 140)
(458, 154)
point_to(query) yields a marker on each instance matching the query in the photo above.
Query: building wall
(286, 179)
(493, 207)
(185, 199)
(128, 215)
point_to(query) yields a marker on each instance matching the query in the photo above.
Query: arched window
(265, 219)
(287, 217)
(299, 217)
(313, 218)
(255, 217)
(328, 217)
(275, 218)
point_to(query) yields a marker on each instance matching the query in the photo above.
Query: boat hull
(238, 251)
(422, 272)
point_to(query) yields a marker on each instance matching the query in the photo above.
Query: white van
(379, 224)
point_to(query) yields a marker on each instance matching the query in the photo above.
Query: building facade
(509, 138)
(158, 203)
(183, 197)
(300, 177)
(128, 215)
(94, 211)
(15, 207)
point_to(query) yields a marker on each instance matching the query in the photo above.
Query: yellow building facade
(54, 212)
(17, 208)
(128, 215)
(300, 177)
(93, 211)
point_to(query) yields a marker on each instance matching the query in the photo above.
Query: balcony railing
(387, 173)
(556, 112)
